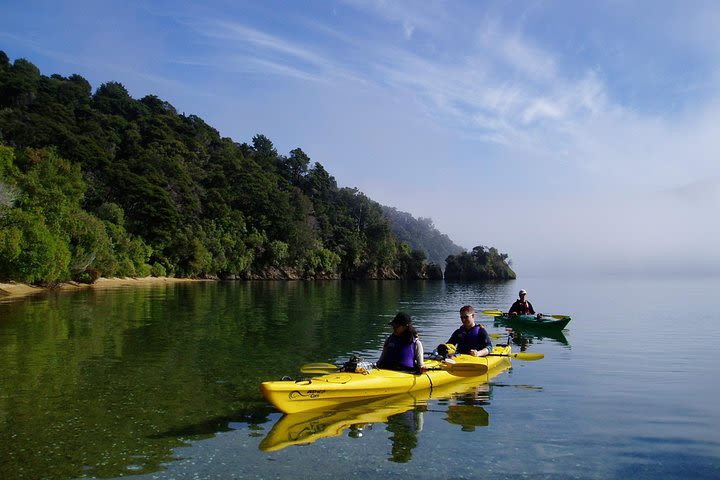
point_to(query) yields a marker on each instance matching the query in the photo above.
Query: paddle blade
(317, 371)
(528, 356)
(492, 313)
(560, 317)
(466, 369)
(520, 356)
(318, 368)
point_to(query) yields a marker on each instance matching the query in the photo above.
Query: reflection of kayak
(533, 321)
(327, 391)
(309, 426)
(527, 331)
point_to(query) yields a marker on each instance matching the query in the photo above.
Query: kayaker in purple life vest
(522, 306)
(402, 349)
(471, 338)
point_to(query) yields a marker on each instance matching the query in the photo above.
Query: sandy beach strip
(12, 290)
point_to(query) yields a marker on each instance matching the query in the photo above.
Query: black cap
(401, 318)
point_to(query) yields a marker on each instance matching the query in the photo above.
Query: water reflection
(403, 415)
(523, 336)
(468, 417)
(111, 382)
(253, 417)
(404, 428)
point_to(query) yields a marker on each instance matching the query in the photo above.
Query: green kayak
(533, 321)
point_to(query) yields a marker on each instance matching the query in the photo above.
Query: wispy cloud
(243, 36)
(513, 53)
(239, 47)
(408, 16)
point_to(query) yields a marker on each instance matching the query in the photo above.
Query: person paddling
(471, 338)
(402, 349)
(522, 305)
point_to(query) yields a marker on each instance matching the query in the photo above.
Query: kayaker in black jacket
(522, 306)
(471, 339)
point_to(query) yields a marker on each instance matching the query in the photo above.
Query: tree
(29, 251)
(482, 263)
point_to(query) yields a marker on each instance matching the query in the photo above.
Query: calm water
(162, 382)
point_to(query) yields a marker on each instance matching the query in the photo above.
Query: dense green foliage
(482, 263)
(101, 184)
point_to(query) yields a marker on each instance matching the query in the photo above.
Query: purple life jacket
(400, 354)
(471, 339)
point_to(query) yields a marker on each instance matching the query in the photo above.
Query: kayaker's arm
(419, 354)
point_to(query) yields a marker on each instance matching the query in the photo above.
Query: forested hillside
(421, 235)
(101, 184)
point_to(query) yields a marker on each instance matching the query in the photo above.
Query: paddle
(520, 356)
(463, 369)
(498, 313)
(468, 369)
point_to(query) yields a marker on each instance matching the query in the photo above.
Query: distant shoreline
(14, 290)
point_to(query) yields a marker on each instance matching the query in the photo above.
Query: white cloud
(408, 15)
(541, 108)
(511, 49)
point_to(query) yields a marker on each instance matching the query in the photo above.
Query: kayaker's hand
(539, 316)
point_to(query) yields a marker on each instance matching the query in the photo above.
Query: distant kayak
(533, 321)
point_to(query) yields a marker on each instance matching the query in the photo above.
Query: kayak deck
(331, 390)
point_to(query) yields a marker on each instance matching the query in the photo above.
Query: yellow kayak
(309, 426)
(342, 388)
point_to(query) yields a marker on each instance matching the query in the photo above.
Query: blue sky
(577, 136)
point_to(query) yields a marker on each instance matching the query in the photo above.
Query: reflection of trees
(404, 428)
(132, 373)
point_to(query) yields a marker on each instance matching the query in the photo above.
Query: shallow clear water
(162, 382)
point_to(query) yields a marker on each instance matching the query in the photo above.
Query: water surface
(162, 382)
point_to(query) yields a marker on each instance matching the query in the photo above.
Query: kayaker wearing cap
(522, 306)
(402, 350)
(471, 338)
